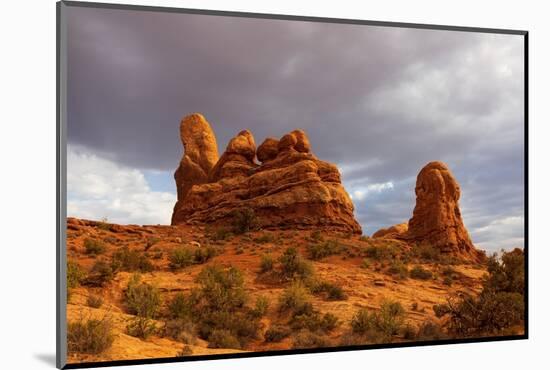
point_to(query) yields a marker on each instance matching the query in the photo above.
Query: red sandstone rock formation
(291, 188)
(392, 232)
(201, 154)
(436, 219)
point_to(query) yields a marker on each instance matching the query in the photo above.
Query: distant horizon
(381, 108)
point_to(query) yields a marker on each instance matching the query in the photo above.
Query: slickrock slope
(290, 188)
(436, 217)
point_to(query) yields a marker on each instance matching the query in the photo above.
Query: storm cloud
(380, 102)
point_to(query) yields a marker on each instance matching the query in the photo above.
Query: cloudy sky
(379, 102)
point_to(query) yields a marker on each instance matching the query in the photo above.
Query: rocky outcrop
(200, 156)
(393, 232)
(436, 217)
(291, 188)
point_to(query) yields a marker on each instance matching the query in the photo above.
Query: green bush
(93, 246)
(506, 274)
(220, 233)
(277, 333)
(331, 291)
(321, 250)
(180, 330)
(398, 269)
(222, 289)
(417, 272)
(204, 254)
(430, 330)
(221, 338)
(427, 252)
(181, 306)
(244, 220)
(294, 266)
(490, 313)
(185, 351)
(381, 325)
(307, 339)
(265, 238)
(311, 319)
(295, 297)
(498, 308)
(94, 301)
(141, 327)
(240, 324)
(131, 260)
(181, 257)
(91, 336)
(75, 275)
(316, 236)
(142, 299)
(379, 253)
(261, 306)
(101, 274)
(266, 263)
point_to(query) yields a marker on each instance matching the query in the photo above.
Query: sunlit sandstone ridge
(288, 188)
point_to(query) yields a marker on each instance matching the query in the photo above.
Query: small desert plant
(244, 220)
(379, 326)
(222, 289)
(427, 252)
(331, 291)
(379, 253)
(398, 269)
(185, 351)
(430, 330)
(265, 238)
(220, 233)
(180, 330)
(295, 297)
(141, 327)
(365, 264)
(311, 319)
(277, 333)
(101, 274)
(93, 246)
(266, 263)
(261, 306)
(94, 301)
(75, 275)
(294, 266)
(150, 242)
(221, 338)
(321, 250)
(131, 260)
(142, 299)
(204, 254)
(181, 306)
(90, 336)
(316, 236)
(417, 272)
(307, 339)
(181, 257)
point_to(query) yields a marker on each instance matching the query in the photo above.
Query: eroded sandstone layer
(288, 188)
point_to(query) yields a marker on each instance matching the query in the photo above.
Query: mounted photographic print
(237, 185)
